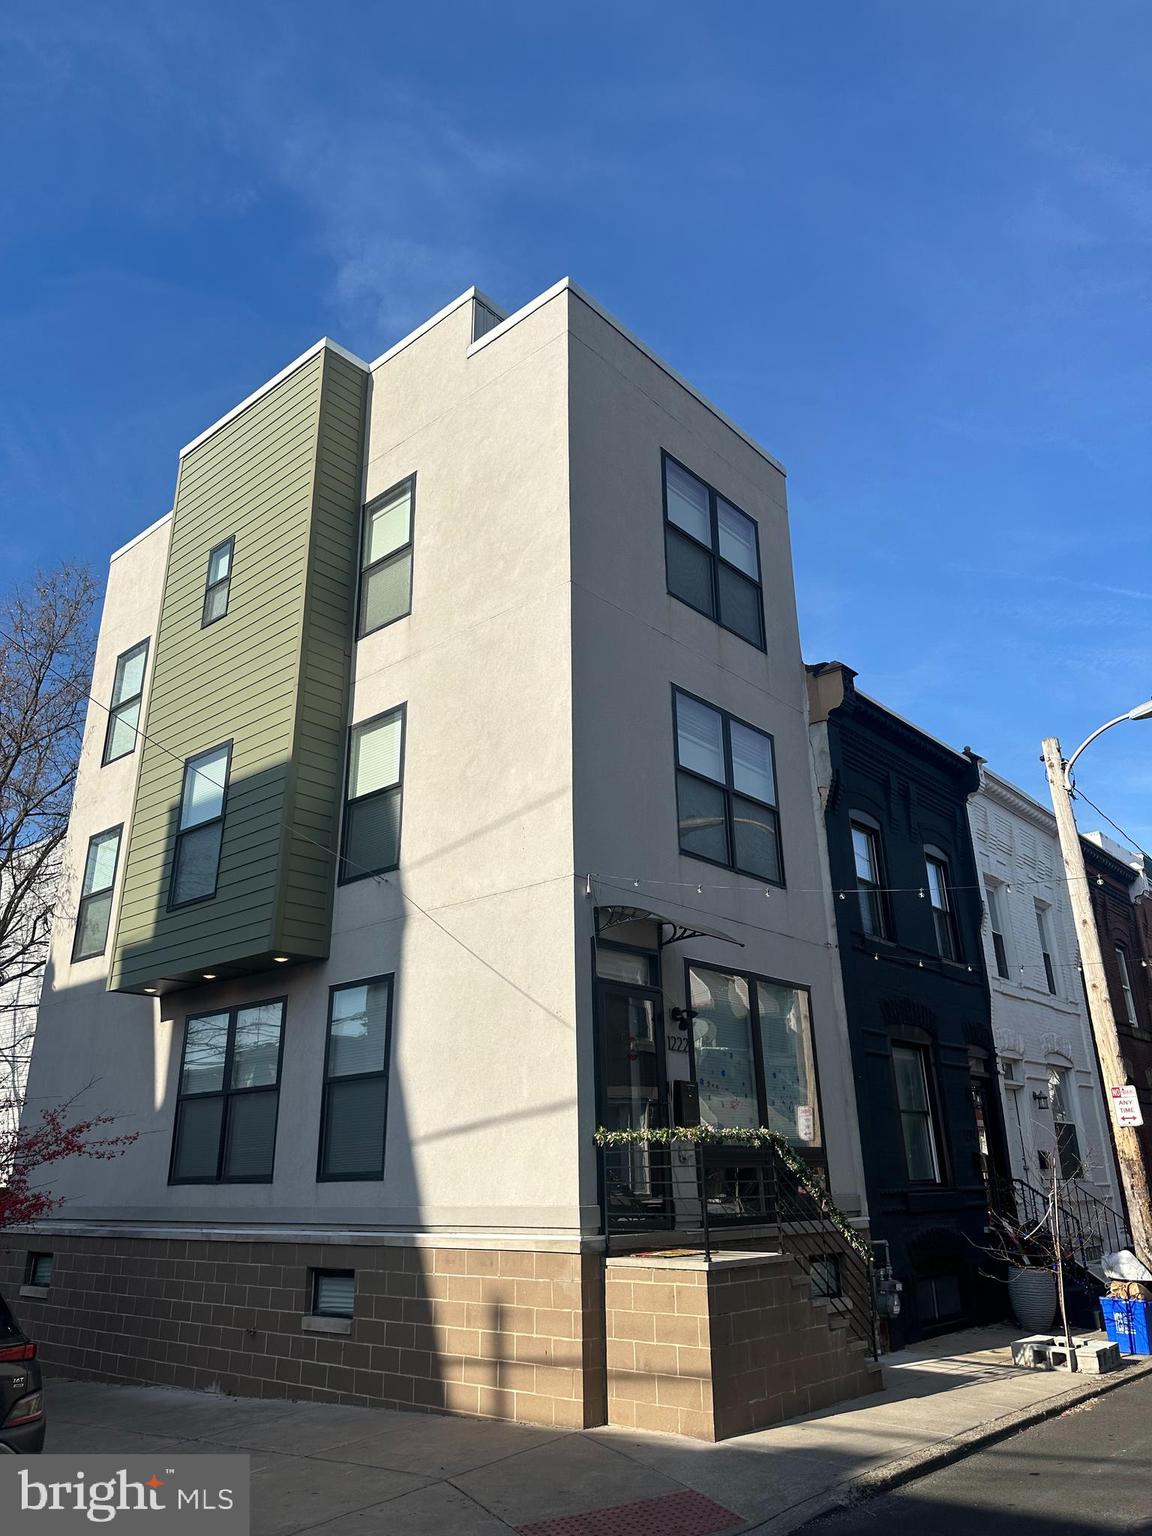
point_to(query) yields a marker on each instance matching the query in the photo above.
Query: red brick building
(1122, 905)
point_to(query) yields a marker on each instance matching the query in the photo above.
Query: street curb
(938, 1454)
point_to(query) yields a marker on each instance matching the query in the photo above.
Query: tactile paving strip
(673, 1514)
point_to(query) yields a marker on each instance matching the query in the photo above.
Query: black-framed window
(375, 796)
(196, 857)
(1045, 947)
(354, 1110)
(914, 1104)
(386, 558)
(940, 898)
(218, 583)
(229, 1096)
(333, 1292)
(127, 697)
(94, 912)
(1126, 986)
(753, 1052)
(712, 554)
(40, 1267)
(995, 903)
(726, 790)
(869, 865)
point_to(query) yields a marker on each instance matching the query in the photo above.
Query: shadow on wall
(502, 1331)
(238, 920)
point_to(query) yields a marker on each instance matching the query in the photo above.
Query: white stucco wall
(632, 642)
(106, 1052)
(536, 667)
(1017, 849)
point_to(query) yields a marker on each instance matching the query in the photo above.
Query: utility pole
(1129, 1156)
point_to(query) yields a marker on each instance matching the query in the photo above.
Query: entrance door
(631, 1059)
(988, 1155)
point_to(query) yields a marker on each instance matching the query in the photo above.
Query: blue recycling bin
(1129, 1324)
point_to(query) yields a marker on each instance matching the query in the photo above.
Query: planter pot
(1032, 1293)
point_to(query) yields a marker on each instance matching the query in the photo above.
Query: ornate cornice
(1010, 798)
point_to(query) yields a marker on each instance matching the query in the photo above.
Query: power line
(620, 882)
(1127, 836)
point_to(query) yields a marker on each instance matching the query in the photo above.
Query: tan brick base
(509, 1334)
(719, 1349)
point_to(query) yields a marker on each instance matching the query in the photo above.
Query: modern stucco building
(1049, 1079)
(472, 807)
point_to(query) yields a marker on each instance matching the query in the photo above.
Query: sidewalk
(362, 1472)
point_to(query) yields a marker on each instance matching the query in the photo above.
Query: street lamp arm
(1087, 742)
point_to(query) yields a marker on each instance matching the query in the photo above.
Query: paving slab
(445, 1448)
(438, 1510)
(307, 1427)
(375, 1472)
(296, 1493)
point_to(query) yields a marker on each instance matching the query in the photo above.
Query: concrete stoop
(722, 1347)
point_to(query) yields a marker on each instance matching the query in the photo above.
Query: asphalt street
(1088, 1471)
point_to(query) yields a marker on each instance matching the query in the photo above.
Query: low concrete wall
(722, 1347)
(510, 1334)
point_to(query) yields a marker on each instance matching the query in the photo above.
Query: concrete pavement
(364, 1472)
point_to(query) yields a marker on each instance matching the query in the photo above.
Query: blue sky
(905, 245)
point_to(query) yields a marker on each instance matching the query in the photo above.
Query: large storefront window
(755, 1061)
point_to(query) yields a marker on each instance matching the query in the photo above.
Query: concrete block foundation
(718, 1348)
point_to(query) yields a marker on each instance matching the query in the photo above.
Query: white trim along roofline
(271, 383)
(135, 539)
(564, 285)
(441, 314)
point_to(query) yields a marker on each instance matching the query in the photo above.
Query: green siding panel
(283, 478)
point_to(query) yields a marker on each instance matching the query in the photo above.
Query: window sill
(37, 1292)
(311, 1324)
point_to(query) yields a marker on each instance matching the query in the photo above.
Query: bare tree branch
(46, 644)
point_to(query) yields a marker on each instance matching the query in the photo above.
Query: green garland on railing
(739, 1136)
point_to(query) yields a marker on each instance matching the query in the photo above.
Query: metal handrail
(776, 1196)
(1090, 1225)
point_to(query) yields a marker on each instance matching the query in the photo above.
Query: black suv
(21, 1389)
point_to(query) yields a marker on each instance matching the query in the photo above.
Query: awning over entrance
(616, 916)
